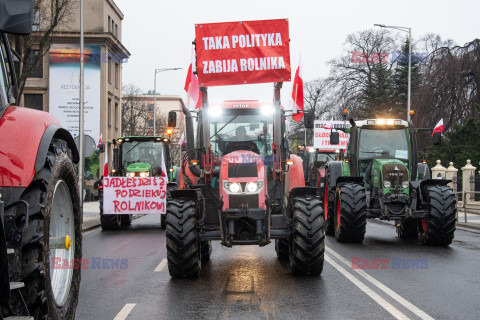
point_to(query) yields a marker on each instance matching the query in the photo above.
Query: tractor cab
(141, 156)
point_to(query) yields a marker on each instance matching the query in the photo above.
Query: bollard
(468, 183)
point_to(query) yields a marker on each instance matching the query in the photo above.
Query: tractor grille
(236, 201)
(242, 170)
(395, 173)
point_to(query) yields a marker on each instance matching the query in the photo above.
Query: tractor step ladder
(16, 285)
(19, 318)
(10, 251)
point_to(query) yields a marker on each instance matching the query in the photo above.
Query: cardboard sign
(322, 129)
(242, 52)
(123, 195)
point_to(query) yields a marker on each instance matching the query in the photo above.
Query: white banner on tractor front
(124, 195)
(322, 129)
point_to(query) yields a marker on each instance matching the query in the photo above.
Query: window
(117, 75)
(116, 30)
(116, 115)
(36, 20)
(32, 59)
(4, 81)
(109, 69)
(109, 112)
(113, 26)
(34, 101)
(109, 24)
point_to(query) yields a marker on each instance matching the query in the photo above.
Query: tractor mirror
(116, 158)
(172, 119)
(308, 119)
(334, 138)
(101, 148)
(437, 138)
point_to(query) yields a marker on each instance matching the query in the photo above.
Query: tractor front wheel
(328, 204)
(307, 243)
(163, 221)
(108, 221)
(438, 229)
(281, 248)
(350, 216)
(183, 243)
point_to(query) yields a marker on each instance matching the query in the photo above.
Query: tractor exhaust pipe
(190, 141)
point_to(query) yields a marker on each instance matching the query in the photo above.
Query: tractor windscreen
(152, 152)
(3, 80)
(391, 144)
(241, 130)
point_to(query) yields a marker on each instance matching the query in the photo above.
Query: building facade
(54, 86)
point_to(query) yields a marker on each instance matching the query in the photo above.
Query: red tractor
(314, 162)
(40, 224)
(240, 185)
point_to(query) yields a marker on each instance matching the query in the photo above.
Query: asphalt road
(249, 282)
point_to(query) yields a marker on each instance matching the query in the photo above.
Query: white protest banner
(322, 130)
(134, 195)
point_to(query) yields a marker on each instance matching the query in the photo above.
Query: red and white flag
(105, 167)
(297, 95)
(99, 141)
(181, 141)
(164, 170)
(329, 125)
(191, 85)
(439, 127)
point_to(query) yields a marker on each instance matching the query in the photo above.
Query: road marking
(123, 314)
(384, 288)
(162, 265)
(382, 302)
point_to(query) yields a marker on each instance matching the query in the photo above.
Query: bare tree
(134, 112)
(49, 17)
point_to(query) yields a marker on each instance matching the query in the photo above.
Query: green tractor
(380, 178)
(138, 157)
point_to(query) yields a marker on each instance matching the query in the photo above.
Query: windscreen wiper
(233, 118)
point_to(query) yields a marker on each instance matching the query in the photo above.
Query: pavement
(248, 282)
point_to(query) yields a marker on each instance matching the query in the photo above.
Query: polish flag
(99, 141)
(105, 167)
(297, 95)
(164, 170)
(325, 126)
(182, 139)
(439, 127)
(191, 86)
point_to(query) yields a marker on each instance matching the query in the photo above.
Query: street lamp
(155, 90)
(409, 30)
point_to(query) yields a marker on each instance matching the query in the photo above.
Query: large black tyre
(328, 204)
(43, 197)
(407, 229)
(350, 217)
(108, 221)
(163, 221)
(307, 243)
(282, 248)
(126, 219)
(183, 244)
(206, 250)
(439, 228)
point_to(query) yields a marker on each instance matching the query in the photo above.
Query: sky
(159, 34)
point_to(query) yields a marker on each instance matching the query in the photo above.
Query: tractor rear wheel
(183, 244)
(282, 248)
(52, 240)
(438, 229)
(307, 245)
(407, 229)
(350, 216)
(328, 204)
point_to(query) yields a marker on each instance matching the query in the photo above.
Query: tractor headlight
(130, 174)
(405, 184)
(144, 174)
(387, 184)
(252, 187)
(231, 187)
